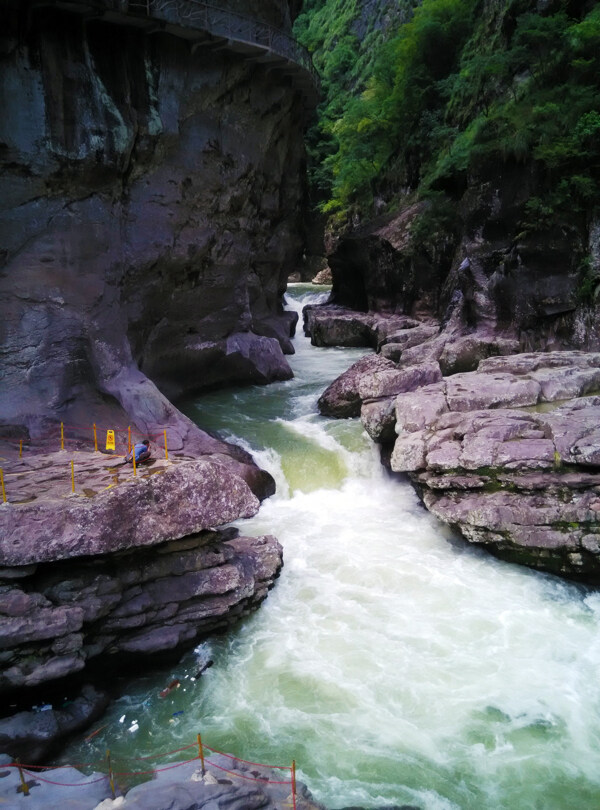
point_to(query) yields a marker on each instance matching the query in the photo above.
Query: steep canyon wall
(151, 196)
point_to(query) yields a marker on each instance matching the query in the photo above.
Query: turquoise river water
(394, 663)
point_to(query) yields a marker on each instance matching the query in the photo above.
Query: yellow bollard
(20, 448)
(62, 436)
(24, 786)
(72, 476)
(2, 483)
(129, 439)
(294, 783)
(95, 439)
(110, 773)
(201, 752)
(133, 459)
(166, 451)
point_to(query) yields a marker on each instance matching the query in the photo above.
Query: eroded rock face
(151, 206)
(491, 457)
(63, 615)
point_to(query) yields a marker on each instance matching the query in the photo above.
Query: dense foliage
(458, 85)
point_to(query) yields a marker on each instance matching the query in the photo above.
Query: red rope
(30, 768)
(250, 778)
(66, 784)
(246, 761)
(156, 770)
(56, 767)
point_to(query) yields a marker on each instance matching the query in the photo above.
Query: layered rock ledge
(509, 454)
(127, 566)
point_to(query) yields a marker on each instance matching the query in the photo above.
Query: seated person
(141, 450)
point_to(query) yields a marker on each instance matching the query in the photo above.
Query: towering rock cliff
(150, 209)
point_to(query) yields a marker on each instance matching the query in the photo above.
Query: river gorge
(397, 664)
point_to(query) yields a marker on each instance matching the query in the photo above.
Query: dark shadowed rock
(141, 602)
(32, 735)
(149, 216)
(335, 326)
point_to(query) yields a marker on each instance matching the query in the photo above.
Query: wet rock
(341, 399)
(32, 735)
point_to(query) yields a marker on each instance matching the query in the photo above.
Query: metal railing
(222, 23)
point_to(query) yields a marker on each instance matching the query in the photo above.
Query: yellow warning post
(166, 451)
(110, 440)
(95, 439)
(2, 484)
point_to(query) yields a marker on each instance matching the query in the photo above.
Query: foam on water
(395, 663)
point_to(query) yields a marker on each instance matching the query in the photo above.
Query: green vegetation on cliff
(444, 91)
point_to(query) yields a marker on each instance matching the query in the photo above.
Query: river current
(393, 662)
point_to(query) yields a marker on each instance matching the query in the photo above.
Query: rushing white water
(393, 662)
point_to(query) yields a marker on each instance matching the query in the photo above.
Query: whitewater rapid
(392, 661)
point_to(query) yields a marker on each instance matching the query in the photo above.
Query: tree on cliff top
(459, 84)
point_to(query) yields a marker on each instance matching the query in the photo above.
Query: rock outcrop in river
(508, 454)
(126, 568)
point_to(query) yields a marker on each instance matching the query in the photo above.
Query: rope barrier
(64, 784)
(250, 778)
(31, 769)
(246, 761)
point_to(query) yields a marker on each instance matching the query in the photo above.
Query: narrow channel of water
(394, 663)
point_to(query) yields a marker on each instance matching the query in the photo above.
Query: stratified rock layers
(149, 215)
(59, 617)
(138, 567)
(492, 457)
